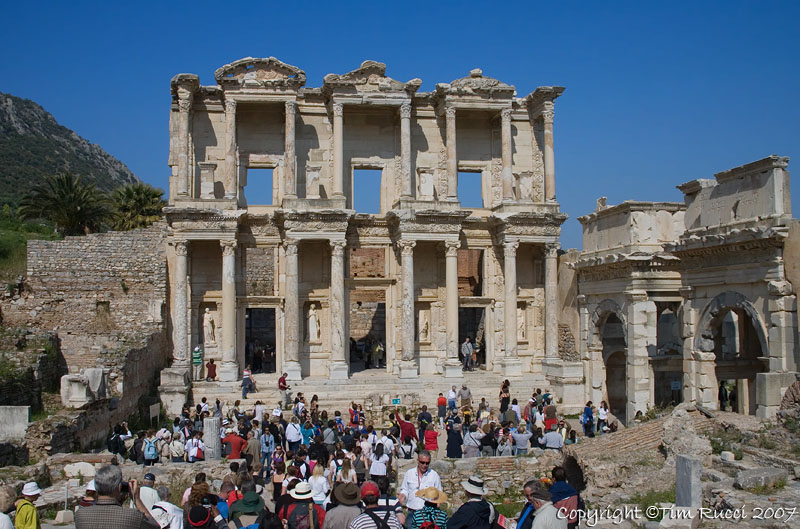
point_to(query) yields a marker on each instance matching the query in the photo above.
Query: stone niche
(84, 388)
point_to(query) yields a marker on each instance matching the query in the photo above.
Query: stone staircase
(375, 385)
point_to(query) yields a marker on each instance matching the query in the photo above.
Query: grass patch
(765, 490)
(509, 510)
(653, 497)
(14, 236)
(765, 441)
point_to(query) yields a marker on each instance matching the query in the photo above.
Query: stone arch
(604, 309)
(610, 346)
(714, 311)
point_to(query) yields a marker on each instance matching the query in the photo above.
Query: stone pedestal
(511, 366)
(211, 438)
(770, 388)
(408, 369)
(688, 490)
(174, 389)
(228, 372)
(566, 381)
(453, 370)
(293, 371)
(338, 371)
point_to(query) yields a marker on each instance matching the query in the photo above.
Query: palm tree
(74, 208)
(136, 206)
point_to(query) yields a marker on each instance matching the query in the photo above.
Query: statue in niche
(313, 324)
(521, 334)
(209, 336)
(424, 326)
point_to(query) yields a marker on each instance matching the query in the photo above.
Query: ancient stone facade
(674, 298)
(259, 115)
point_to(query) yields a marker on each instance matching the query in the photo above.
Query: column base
(293, 371)
(338, 371)
(229, 372)
(409, 369)
(566, 380)
(511, 367)
(453, 369)
(174, 389)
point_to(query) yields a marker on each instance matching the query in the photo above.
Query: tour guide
(418, 478)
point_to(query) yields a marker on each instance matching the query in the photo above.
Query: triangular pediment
(477, 84)
(264, 72)
(370, 77)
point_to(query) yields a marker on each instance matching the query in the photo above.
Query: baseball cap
(370, 488)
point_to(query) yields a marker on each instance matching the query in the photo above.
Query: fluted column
(505, 135)
(290, 161)
(337, 368)
(180, 291)
(291, 328)
(405, 149)
(452, 153)
(549, 158)
(408, 368)
(184, 117)
(510, 278)
(551, 300)
(229, 370)
(338, 149)
(452, 368)
(230, 151)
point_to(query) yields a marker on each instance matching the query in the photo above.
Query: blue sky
(657, 94)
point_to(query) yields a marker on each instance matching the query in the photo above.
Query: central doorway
(472, 323)
(367, 330)
(259, 350)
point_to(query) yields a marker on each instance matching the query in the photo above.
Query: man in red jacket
(407, 429)
(236, 442)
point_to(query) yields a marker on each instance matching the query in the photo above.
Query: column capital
(686, 292)
(290, 246)
(228, 246)
(551, 249)
(505, 114)
(636, 295)
(230, 106)
(405, 110)
(185, 104)
(451, 248)
(406, 246)
(338, 109)
(338, 246)
(510, 248)
(450, 112)
(181, 247)
(291, 107)
(548, 112)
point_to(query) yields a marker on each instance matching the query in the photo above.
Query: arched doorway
(667, 363)
(612, 333)
(731, 328)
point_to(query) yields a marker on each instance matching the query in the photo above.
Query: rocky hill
(33, 144)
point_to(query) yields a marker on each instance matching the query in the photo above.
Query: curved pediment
(477, 84)
(255, 72)
(369, 77)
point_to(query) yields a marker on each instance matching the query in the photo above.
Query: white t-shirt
(602, 414)
(259, 413)
(5, 522)
(319, 488)
(388, 445)
(378, 466)
(293, 433)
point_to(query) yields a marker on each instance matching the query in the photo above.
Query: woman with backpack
(430, 516)
(378, 463)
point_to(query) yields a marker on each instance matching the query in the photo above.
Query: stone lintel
(765, 164)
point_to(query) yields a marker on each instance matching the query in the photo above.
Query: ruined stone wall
(367, 262)
(259, 271)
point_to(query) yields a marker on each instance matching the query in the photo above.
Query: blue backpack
(150, 451)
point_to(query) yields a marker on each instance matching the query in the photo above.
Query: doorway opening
(367, 330)
(367, 191)
(259, 350)
(472, 324)
(470, 189)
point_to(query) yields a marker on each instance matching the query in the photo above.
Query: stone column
(290, 161)
(338, 368)
(291, 327)
(549, 159)
(452, 368)
(510, 362)
(452, 153)
(505, 134)
(642, 316)
(405, 150)
(184, 118)
(408, 366)
(229, 370)
(551, 300)
(338, 149)
(230, 152)
(211, 438)
(180, 335)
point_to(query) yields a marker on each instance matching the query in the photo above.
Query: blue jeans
(451, 404)
(294, 445)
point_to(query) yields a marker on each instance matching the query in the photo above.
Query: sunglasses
(424, 462)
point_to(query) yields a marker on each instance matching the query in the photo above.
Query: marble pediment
(369, 78)
(269, 73)
(475, 84)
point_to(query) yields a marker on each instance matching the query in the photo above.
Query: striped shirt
(365, 521)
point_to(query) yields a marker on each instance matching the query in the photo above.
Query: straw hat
(433, 495)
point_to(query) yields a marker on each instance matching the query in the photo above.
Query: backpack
(116, 445)
(255, 525)
(150, 450)
(306, 520)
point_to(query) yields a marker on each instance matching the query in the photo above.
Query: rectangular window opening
(258, 190)
(367, 191)
(470, 190)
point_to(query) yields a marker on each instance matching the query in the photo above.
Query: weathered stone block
(760, 477)
(14, 421)
(85, 470)
(725, 455)
(688, 490)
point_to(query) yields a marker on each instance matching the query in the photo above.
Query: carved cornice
(426, 221)
(367, 80)
(476, 85)
(185, 220)
(266, 73)
(528, 224)
(310, 221)
(542, 99)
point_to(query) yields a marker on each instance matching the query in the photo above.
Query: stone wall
(259, 271)
(367, 262)
(31, 365)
